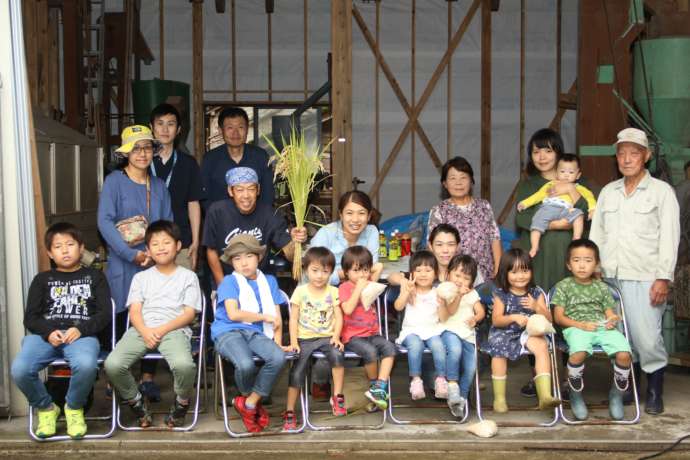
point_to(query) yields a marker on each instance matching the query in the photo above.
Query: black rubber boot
(628, 395)
(655, 391)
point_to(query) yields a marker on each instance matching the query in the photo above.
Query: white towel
(248, 301)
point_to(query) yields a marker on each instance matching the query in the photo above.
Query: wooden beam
(305, 45)
(486, 101)
(413, 71)
(556, 120)
(161, 39)
(198, 80)
(431, 84)
(397, 90)
(523, 21)
(341, 94)
(233, 48)
(54, 78)
(44, 83)
(39, 211)
(377, 100)
(269, 28)
(72, 63)
(29, 17)
(449, 88)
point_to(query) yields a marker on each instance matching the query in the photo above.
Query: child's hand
(588, 326)
(71, 335)
(471, 322)
(521, 320)
(520, 207)
(463, 290)
(294, 347)
(335, 341)
(287, 348)
(159, 333)
(529, 302)
(151, 340)
(361, 283)
(55, 338)
(611, 321)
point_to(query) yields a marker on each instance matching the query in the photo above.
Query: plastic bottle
(393, 247)
(383, 249)
(397, 237)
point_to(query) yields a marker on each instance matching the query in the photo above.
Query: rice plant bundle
(298, 163)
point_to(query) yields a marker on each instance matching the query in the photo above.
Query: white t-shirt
(456, 322)
(421, 318)
(164, 296)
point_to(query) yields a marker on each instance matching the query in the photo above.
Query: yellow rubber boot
(542, 382)
(499, 385)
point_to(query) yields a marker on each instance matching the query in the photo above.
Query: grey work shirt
(637, 234)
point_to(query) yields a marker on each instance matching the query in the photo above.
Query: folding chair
(349, 355)
(402, 351)
(623, 328)
(550, 339)
(198, 349)
(220, 380)
(62, 362)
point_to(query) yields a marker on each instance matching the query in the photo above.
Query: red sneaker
(320, 391)
(249, 417)
(289, 421)
(262, 417)
(338, 405)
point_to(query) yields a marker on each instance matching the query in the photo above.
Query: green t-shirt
(583, 302)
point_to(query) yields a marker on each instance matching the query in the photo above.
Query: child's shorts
(336, 358)
(547, 213)
(611, 340)
(371, 348)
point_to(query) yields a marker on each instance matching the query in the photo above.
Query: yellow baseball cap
(132, 134)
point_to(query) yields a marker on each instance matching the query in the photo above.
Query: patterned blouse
(477, 227)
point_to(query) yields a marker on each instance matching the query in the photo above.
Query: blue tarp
(408, 223)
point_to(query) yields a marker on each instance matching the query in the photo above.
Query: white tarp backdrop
(396, 36)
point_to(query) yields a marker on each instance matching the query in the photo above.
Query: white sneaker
(441, 388)
(458, 410)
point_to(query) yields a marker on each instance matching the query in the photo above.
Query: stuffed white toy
(538, 325)
(370, 293)
(448, 291)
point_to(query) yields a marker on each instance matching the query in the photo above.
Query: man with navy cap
(242, 214)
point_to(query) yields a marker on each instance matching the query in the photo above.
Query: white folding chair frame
(551, 341)
(615, 292)
(200, 372)
(348, 355)
(398, 421)
(220, 380)
(111, 417)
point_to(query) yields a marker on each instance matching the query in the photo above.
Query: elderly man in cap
(636, 226)
(250, 324)
(242, 214)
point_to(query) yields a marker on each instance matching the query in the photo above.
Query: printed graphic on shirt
(317, 316)
(69, 299)
(255, 232)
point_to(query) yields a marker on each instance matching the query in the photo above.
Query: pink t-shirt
(361, 323)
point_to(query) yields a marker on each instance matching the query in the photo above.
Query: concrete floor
(393, 441)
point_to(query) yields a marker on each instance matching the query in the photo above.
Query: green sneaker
(47, 421)
(76, 425)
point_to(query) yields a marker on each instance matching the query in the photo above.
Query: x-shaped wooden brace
(412, 112)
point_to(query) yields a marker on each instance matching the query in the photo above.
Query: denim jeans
(459, 354)
(415, 350)
(239, 346)
(36, 354)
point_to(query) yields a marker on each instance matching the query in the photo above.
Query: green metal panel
(597, 150)
(147, 94)
(667, 76)
(605, 74)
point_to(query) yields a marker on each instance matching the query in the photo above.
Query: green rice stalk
(298, 163)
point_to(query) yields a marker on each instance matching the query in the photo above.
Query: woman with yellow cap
(129, 201)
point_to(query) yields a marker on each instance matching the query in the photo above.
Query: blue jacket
(122, 198)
